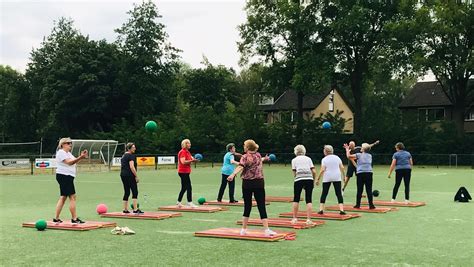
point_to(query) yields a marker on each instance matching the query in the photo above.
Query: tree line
(371, 50)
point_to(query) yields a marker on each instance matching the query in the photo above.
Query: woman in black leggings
(128, 173)
(252, 184)
(402, 162)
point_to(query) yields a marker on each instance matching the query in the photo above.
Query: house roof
(426, 94)
(289, 101)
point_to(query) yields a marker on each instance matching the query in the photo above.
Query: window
(331, 101)
(431, 114)
(470, 116)
(265, 100)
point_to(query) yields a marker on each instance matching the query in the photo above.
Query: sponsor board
(166, 160)
(14, 163)
(45, 163)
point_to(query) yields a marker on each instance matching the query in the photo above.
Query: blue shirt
(227, 166)
(364, 162)
(403, 159)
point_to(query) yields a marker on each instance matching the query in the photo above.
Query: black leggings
(337, 189)
(404, 174)
(308, 186)
(250, 187)
(129, 184)
(185, 187)
(224, 183)
(364, 178)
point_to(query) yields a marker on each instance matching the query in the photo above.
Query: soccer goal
(100, 151)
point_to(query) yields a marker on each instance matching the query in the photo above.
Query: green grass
(440, 233)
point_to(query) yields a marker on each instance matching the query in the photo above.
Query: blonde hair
(129, 146)
(365, 147)
(299, 150)
(250, 145)
(62, 141)
(329, 149)
(184, 142)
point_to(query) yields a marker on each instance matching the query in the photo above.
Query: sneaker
(57, 220)
(125, 211)
(372, 207)
(407, 201)
(243, 231)
(234, 201)
(341, 212)
(269, 232)
(77, 220)
(138, 211)
(294, 221)
(192, 205)
(393, 200)
(219, 200)
(320, 212)
(179, 204)
(309, 222)
(356, 207)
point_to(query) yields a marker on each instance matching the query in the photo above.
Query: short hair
(366, 147)
(62, 141)
(300, 150)
(329, 149)
(229, 146)
(250, 144)
(129, 146)
(400, 146)
(352, 143)
(184, 142)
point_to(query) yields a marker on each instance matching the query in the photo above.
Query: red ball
(101, 208)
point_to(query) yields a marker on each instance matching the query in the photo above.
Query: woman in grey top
(402, 162)
(363, 172)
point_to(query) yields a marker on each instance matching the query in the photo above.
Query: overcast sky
(199, 28)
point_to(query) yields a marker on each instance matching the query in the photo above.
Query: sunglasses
(68, 143)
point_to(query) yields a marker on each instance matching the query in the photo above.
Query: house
(427, 102)
(284, 108)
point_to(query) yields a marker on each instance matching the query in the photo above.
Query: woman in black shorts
(128, 173)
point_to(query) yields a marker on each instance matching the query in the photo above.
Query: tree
(358, 32)
(446, 42)
(150, 62)
(285, 37)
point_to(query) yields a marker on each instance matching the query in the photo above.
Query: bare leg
(265, 223)
(341, 206)
(72, 206)
(125, 205)
(245, 221)
(321, 206)
(346, 181)
(135, 203)
(295, 209)
(309, 210)
(59, 206)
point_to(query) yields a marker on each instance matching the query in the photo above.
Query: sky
(198, 27)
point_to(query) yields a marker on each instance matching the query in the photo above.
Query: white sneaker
(407, 201)
(294, 221)
(179, 204)
(192, 205)
(127, 231)
(269, 232)
(243, 231)
(309, 222)
(393, 200)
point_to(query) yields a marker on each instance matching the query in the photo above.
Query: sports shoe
(407, 201)
(341, 212)
(234, 201)
(356, 207)
(179, 204)
(125, 211)
(138, 211)
(57, 220)
(77, 220)
(320, 212)
(294, 221)
(372, 207)
(269, 232)
(243, 231)
(192, 205)
(393, 200)
(309, 222)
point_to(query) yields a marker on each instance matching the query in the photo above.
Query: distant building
(284, 108)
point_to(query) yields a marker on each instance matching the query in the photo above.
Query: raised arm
(374, 143)
(76, 160)
(348, 153)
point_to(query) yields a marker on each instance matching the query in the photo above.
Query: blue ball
(198, 156)
(326, 125)
(272, 157)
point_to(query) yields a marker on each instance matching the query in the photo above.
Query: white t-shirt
(302, 165)
(332, 172)
(63, 168)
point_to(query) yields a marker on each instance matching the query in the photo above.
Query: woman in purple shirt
(402, 162)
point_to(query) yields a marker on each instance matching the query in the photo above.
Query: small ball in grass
(40, 225)
(376, 193)
(201, 200)
(101, 208)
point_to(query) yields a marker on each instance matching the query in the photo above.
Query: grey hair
(365, 147)
(300, 150)
(329, 149)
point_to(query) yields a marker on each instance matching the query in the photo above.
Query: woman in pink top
(252, 184)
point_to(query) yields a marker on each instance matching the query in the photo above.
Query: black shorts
(66, 184)
(350, 170)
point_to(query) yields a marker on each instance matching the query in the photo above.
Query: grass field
(438, 234)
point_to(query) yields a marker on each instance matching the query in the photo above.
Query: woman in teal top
(227, 169)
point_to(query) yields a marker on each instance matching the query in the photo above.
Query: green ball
(201, 200)
(151, 126)
(131, 205)
(40, 225)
